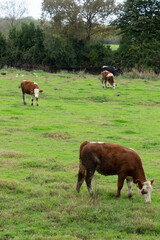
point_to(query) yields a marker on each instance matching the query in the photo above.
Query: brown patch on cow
(144, 192)
(57, 136)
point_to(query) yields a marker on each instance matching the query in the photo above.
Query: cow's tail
(82, 168)
(82, 145)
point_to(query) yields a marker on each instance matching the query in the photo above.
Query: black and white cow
(113, 70)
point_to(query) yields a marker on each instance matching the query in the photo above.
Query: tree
(60, 52)
(25, 46)
(140, 18)
(95, 13)
(60, 12)
(79, 18)
(13, 10)
(96, 55)
(3, 46)
(140, 29)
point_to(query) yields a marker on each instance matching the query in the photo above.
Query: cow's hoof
(77, 189)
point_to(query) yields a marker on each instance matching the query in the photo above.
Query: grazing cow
(113, 159)
(29, 87)
(108, 78)
(113, 70)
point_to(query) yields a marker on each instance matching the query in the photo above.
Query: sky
(34, 8)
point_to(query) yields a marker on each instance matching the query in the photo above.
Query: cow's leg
(107, 84)
(37, 101)
(113, 85)
(24, 99)
(88, 179)
(129, 184)
(121, 179)
(102, 82)
(32, 98)
(81, 177)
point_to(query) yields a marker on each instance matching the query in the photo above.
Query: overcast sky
(34, 8)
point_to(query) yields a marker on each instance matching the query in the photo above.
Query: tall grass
(39, 157)
(146, 75)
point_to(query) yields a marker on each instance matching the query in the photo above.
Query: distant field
(113, 46)
(39, 157)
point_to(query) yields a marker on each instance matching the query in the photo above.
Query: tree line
(72, 34)
(31, 48)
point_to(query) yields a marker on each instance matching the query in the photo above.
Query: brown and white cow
(29, 87)
(108, 78)
(113, 159)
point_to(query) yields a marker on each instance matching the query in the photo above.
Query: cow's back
(109, 158)
(105, 74)
(110, 69)
(28, 86)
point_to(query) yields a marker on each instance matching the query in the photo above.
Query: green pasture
(114, 47)
(39, 157)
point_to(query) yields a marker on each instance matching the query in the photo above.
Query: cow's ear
(40, 90)
(32, 92)
(139, 184)
(152, 181)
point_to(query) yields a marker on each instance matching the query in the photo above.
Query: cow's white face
(36, 92)
(145, 191)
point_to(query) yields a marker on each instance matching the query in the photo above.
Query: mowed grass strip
(39, 157)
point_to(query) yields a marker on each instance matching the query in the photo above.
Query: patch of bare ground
(57, 136)
(8, 163)
(153, 104)
(10, 154)
(10, 131)
(9, 184)
(11, 213)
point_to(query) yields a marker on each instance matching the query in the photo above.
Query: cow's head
(145, 189)
(36, 92)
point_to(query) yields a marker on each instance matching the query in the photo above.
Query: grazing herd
(29, 87)
(105, 158)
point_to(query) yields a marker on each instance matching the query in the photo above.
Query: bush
(3, 46)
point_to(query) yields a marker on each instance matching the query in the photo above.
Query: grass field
(39, 157)
(114, 47)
